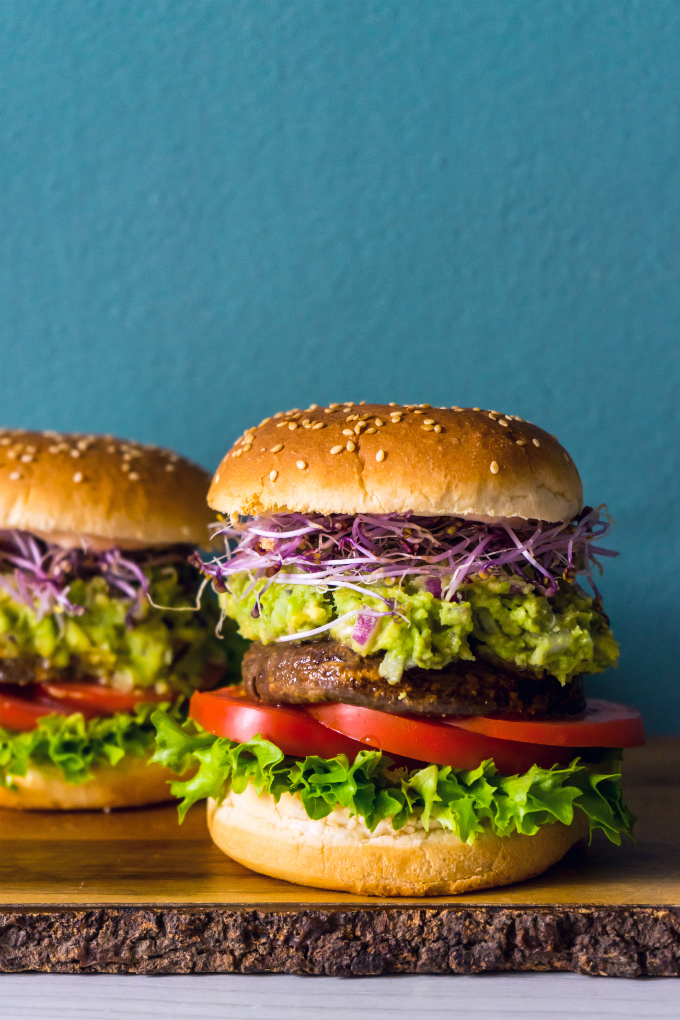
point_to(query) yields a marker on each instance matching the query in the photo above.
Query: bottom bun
(339, 852)
(130, 783)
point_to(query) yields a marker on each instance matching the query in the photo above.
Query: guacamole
(159, 648)
(563, 635)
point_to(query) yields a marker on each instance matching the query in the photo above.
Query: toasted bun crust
(340, 853)
(130, 783)
(97, 491)
(462, 462)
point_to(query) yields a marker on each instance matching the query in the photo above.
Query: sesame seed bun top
(388, 458)
(98, 492)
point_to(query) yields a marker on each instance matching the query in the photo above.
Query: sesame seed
(493, 467)
(306, 422)
(32, 449)
(502, 422)
(350, 446)
(237, 453)
(380, 456)
(427, 428)
(133, 476)
(429, 421)
(337, 449)
(75, 453)
(379, 422)
(171, 467)
(126, 467)
(476, 409)
(319, 425)
(392, 404)
(78, 476)
(273, 475)
(264, 422)
(5, 441)
(347, 432)
(313, 407)
(292, 425)
(535, 441)
(425, 405)
(364, 417)
(247, 447)
(492, 415)
(419, 412)
(457, 409)
(301, 464)
(281, 424)
(371, 432)
(521, 442)
(437, 428)
(279, 414)
(27, 458)
(348, 403)
(333, 407)
(277, 448)
(358, 427)
(566, 457)
(15, 476)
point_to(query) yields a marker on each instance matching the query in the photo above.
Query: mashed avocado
(562, 636)
(166, 649)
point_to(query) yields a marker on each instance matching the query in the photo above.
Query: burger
(418, 587)
(97, 620)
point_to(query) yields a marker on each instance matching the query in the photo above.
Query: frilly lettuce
(466, 802)
(75, 745)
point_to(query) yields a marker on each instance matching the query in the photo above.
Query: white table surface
(279, 997)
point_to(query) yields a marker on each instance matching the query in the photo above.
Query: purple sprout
(41, 573)
(353, 551)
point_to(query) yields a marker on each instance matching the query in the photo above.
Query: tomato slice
(20, 711)
(94, 699)
(21, 707)
(434, 741)
(603, 724)
(231, 712)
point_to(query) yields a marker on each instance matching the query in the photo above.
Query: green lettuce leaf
(76, 745)
(466, 802)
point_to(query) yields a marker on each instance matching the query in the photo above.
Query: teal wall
(212, 209)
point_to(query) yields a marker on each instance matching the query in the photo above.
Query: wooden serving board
(131, 892)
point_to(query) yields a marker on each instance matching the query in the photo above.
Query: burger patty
(22, 671)
(330, 671)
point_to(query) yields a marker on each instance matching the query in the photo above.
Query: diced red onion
(365, 627)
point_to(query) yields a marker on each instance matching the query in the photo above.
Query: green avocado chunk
(561, 636)
(162, 648)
